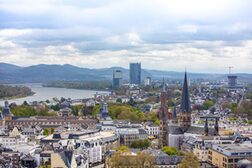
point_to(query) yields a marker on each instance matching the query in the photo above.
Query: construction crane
(229, 69)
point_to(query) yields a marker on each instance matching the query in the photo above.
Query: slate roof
(176, 130)
(66, 156)
(199, 130)
(56, 136)
(162, 158)
(142, 131)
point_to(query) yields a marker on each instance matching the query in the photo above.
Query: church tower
(185, 109)
(163, 116)
(6, 114)
(104, 110)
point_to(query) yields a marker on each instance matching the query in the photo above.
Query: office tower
(135, 73)
(232, 81)
(117, 79)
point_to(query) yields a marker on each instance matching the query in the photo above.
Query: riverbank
(81, 85)
(14, 92)
(48, 93)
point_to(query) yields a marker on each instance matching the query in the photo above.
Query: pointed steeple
(185, 101)
(163, 86)
(206, 127)
(174, 114)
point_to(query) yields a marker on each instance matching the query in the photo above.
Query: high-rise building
(135, 73)
(232, 81)
(117, 79)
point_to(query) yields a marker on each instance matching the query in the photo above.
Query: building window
(230, 160)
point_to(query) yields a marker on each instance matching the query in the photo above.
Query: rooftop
(234, 149)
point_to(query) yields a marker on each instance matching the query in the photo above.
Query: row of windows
(8, 140)
(230, 160)
(153, 128)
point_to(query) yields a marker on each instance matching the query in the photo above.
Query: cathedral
(173, 126)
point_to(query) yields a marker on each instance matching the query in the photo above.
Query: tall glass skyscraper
(117, 79)
(135, 73)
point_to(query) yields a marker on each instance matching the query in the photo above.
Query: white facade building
(152, 130)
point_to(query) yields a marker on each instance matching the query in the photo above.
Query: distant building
(135, 73)
(117, 79)
(65, 112)
(147, 81)
(232, 81)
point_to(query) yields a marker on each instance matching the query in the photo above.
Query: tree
(75, 109)
(226, 105)
(55, 107)
(52, 130)
(152, 116)
(25, 103)
(207, 104)
(142, 144)
(234, 107)
(171, 151)
(96, 110)
(212, 109)
(119, 100)
(24, 110)
(122, 149)
(140, 160)
(170, 103)
(125, 112)
(151, 99)
(46, 132)
(189, 161)
(14, 91)
(145, 160)
(132, 102)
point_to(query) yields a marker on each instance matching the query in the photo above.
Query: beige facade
(201, 153)
(223, 161)
(15, 132)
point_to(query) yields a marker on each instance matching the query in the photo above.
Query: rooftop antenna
(229, 69)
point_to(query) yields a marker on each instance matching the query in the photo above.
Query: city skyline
(204, 36)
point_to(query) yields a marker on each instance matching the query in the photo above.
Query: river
(47, 93)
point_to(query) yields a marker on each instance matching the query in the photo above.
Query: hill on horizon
(10, 73)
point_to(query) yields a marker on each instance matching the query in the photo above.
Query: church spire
(163, 86)
(185, 101)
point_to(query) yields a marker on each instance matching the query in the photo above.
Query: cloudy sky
(202, 35)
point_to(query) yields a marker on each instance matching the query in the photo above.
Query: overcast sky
(202, 35)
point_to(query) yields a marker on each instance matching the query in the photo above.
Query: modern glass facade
(135, 73)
